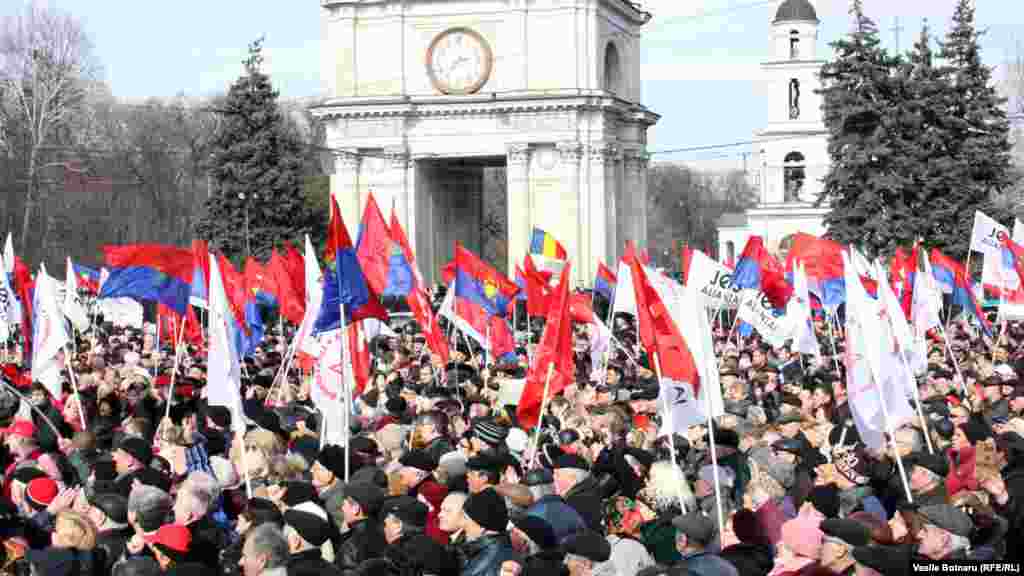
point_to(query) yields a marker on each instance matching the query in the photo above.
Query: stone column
(570, 154)
(601, 202)
(392, 191)
(345, 185)
(518, 219)
(634, 196)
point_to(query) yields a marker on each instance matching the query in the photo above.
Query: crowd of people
(443, 480)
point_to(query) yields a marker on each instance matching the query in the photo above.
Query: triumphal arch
(477, 120)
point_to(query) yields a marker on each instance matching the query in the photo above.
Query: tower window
(612, 69)
(794, 174)
(794, 99)
(794, 45)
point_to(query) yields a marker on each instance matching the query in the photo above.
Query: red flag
(289, 303)
(659, 333)
(374, 249)
(360, 354)
(500, 337)
(757, 268)
(417, 299)
(295, 264)
(234, 289)
(257, 279)
(24, 286)
(448, 272)
(580, 309)
(171, 326)
(555, 349)
(537, 292)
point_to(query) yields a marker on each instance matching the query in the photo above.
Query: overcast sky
(700, 57)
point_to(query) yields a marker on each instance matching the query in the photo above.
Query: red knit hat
(41, 492)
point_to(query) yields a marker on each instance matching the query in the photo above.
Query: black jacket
(545, 563)
(585, 498)
(438, 447)
(363, 541)
(750, 559)
(310, 563)
(416, 554)
(208, 539)
(110, 546)
(44, 433)
(485, 555)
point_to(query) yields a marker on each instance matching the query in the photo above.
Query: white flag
(985, 234)
(14, 316)
(304, 338)
(223, 372)
(686, 407)
(714, 281)
(9, 255)
(121, 312)
(798, 314)
(6, 304)
(73, 308)
(449, 311)
(875, 373)
(925, 310)
(49, 336)
(757, 310)
(892, 311)
(327, 384)
(625, 298)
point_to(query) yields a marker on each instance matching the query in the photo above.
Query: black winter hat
(487, 509)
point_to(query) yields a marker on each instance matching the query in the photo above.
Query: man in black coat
(306, 529)
(364, 539)
(580, 489)
(415, 553)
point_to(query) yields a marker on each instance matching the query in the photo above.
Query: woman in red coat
(963, 455)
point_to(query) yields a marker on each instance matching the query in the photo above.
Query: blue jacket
(563, 519)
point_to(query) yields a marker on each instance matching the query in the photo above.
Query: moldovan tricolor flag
(223, 372)
(49, 336)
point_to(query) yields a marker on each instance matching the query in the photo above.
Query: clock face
(459, 61)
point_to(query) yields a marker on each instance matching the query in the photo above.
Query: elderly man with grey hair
(195, 502)
(265, 552)
(549, 506)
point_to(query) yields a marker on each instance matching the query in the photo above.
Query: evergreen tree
(978, 137)
(927, 103)
(257, 167)
(861, 112)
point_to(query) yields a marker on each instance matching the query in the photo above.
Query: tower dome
(796, 10)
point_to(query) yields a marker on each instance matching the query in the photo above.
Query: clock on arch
(459, 61)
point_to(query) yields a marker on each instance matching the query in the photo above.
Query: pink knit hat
(803, 537)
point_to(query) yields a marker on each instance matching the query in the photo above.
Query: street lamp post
(245, 207)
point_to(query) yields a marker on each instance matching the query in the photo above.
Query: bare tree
(47, 69)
